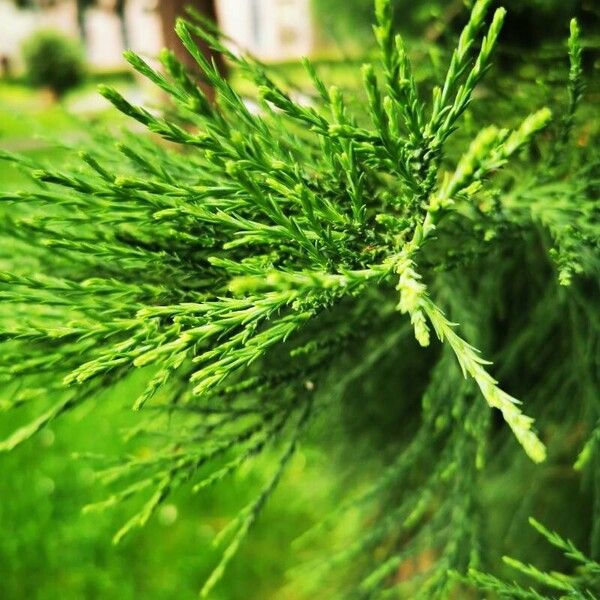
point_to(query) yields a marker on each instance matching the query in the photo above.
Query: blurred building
(270, 29)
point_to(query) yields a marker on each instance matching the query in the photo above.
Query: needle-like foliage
(583, 585)
(261, 262)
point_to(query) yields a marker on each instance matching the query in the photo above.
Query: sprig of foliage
(249, 263)
(581, 586)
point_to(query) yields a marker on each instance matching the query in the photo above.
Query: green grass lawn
(32, 124)
(49, 549)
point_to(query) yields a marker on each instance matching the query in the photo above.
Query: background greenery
(530, 24)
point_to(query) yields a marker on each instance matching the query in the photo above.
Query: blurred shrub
(53, 61)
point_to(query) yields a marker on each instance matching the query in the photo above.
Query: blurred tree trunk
(82, 6)
(169, 11)
(120, 10)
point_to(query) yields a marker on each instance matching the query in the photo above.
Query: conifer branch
(249, 274)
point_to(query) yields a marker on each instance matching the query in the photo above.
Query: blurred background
(53, 54)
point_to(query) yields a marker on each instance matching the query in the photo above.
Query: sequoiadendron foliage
(263, 263)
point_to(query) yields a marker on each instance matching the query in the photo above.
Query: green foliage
(53, 61)
(581, 586)
(256, 269)
(533, 23)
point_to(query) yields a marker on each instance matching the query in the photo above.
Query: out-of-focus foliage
(54, 61)
(583, 584)
(349, 24)
(532, 23)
